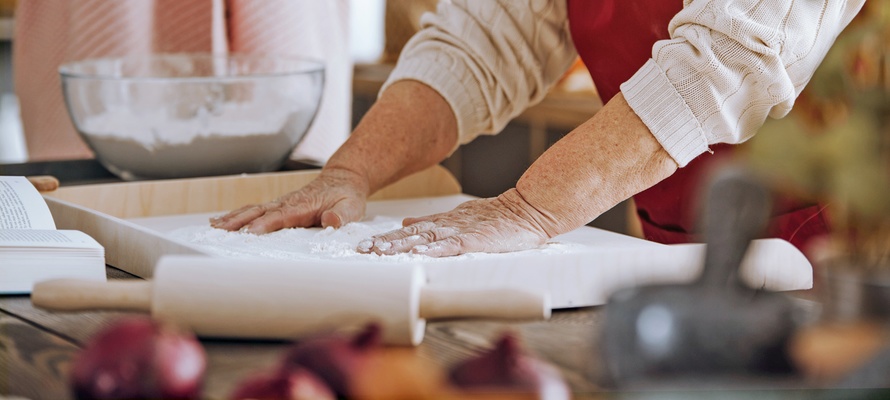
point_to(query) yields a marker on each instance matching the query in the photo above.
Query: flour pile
(317, 243)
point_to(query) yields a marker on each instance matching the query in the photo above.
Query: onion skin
(336, 359)
(504, 370)
(138, 358)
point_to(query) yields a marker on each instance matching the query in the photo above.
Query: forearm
(604, 161)
(408, 129)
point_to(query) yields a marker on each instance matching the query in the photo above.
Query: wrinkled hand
(494, 225)
(335, 198)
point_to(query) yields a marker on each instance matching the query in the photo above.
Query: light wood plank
(214, 194)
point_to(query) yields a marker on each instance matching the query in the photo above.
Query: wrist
(538, 219)
(343, 176)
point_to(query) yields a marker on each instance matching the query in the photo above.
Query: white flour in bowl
(238, 140)
(156, 129)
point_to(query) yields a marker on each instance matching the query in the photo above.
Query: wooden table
(36, 347)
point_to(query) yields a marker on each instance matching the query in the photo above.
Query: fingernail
(327, 222)
(384, 246)
(419, 249)
(365, 245)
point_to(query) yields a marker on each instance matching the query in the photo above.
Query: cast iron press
(715, 325)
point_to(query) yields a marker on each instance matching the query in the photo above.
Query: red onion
(336, 359)
(504, 369)
(139, 358)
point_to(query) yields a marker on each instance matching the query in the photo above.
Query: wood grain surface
(213, 194)
(33, 363)
(36, 347)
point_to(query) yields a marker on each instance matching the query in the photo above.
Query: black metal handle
(736, 212)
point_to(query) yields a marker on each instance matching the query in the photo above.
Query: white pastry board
(580, 268)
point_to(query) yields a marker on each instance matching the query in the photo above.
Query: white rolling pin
(267, 299)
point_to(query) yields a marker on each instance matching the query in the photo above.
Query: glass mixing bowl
(187, 115)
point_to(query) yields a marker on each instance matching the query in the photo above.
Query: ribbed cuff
(454, 82)
(655, 100)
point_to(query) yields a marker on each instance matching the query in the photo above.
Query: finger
(382, 243)
(450, 246)
(283, 217)
(406, 244)
(343, 212)
(237, 219)
(414, 220)
(402, 233)
(462, 208)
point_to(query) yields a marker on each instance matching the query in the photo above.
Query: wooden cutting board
(134, 220)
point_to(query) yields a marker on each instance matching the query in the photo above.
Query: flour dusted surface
(318, 243)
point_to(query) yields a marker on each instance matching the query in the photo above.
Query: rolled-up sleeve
(489, 60)
(728, 65)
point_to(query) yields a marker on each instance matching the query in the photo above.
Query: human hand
(335, 198)
(494, 225)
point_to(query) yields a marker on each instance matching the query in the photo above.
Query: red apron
(614, 39)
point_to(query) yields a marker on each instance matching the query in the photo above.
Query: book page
(22, 206)
(32, 238)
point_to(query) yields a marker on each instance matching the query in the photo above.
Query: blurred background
(12, 141)
(377, 30)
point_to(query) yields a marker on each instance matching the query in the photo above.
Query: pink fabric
(51, 32)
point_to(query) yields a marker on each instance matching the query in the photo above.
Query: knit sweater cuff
(655, 100)
(458, 88)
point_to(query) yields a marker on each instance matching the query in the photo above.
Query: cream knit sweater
(728, 65)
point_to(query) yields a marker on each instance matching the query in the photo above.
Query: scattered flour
(317, 243)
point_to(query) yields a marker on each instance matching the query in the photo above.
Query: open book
(32, 250)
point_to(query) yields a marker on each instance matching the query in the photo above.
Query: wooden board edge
(215, 194)
(128, 246)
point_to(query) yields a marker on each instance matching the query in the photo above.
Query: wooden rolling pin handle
(44, 183)
(82, 295)
(441, 303)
